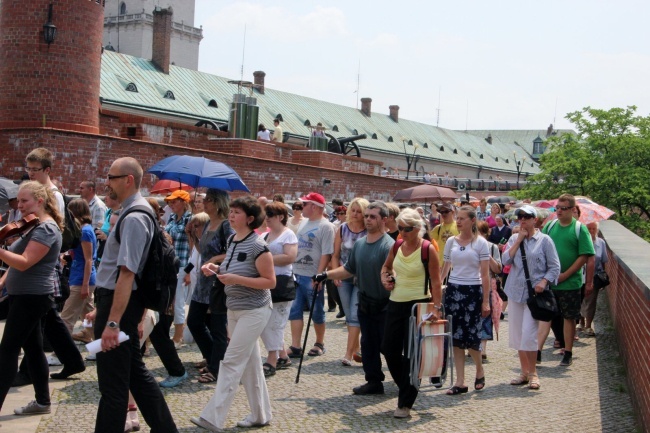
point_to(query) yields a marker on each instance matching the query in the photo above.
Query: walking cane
(304, 344)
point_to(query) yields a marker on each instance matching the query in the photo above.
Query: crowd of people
(249, 269)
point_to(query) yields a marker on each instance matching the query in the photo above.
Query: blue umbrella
(199, 171)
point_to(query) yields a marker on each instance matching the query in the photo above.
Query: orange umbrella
(165, 186)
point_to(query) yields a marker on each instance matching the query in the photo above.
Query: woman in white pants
(248, 275)
(544, 268)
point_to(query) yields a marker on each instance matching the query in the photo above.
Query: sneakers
(173, 381)
(33, 408)
(402, 412)
(340, 314)
(53, 361)
(589, 332)
(567, 359)
(369, 388)
(203, 423)
(178, 344)
(539, 357)
(248, 422)
(132, 421)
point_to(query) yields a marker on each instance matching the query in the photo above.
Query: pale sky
(495, 65)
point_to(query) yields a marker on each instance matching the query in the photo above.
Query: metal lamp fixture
(49, 29)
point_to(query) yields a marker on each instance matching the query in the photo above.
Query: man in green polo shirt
(573, 252)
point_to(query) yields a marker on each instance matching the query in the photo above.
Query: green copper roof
(194, 91)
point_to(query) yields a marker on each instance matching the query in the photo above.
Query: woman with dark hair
(82, 272)
(283, 245)
(297, 217)
(468, 294)
(501, 232)
(263, 133)
(210, 330)
(30, 286)
(248, 275)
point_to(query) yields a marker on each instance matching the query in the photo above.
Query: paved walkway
(589, 396)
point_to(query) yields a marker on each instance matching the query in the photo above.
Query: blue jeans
(305, 293)
(349, 295)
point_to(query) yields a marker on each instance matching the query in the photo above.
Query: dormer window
(213, 103)
(131, 87)
(169, 95)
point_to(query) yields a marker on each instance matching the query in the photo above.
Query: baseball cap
(314, 197)
(183, 195)
(527, 209)
(445, 206)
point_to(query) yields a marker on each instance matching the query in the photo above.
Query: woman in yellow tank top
(404, 275)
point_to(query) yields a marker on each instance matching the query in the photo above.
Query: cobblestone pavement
(589, 396)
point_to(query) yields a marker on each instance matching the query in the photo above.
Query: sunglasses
(564, 207)
(296, 208)
(445, 212)
(405, 229)
(270, 215)
(525, 216)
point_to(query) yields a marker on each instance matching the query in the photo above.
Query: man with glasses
(38, 165)
(574, 248)
(315, 249)
(119, 366)
(445, 230)
(365, 261)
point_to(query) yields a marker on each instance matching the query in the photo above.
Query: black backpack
(71, 236)
(157, 282)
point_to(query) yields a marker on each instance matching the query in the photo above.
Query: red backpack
(424, 254)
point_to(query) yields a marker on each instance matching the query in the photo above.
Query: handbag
(601, 279)
(542, 306)
(285, 289)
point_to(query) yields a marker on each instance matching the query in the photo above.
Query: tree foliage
(608, 160)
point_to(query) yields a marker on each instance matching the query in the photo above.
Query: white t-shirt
(315, 239)
(276, 246)
(264, 135)
(466, 261)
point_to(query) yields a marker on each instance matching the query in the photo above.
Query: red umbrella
(545, 204)
(164, 186)
(425, 193)
(589, 213)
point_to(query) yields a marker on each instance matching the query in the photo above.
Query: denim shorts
(304, 295)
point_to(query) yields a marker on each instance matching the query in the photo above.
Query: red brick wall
(88, 156)
(629, 301)
(59, 84)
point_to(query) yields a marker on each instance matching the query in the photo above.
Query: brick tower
(55, 85)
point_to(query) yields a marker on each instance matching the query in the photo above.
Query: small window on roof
(481, 156)
(123, 8)
(410, 143)
(374, 136)
(442, 148)
(307, 123)
(213, 103)
(390, 138)
(425, 145)
(169, 95)
(131, 87)
(469, 153)
(355, 132)
(335, 128)
(455, 151)
(507, 160)
(496, 158)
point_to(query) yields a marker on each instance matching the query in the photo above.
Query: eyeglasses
(525, 216)
(116, 176)
(564, 207)
(405, 229)
(270, 215)
(33, 169)
(296, 208)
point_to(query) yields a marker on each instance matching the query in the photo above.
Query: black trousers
(372, 335)
(395, 349)
(210, 331)
(61, 341)
(165, 346)
(23, 329)
(333, 298)
(122, 370)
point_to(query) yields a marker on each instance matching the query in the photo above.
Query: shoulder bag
(542, 306)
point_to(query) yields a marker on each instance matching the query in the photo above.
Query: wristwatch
(113, 325)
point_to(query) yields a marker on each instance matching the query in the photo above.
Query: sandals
(283, 363)
(479, 384)
(269, 370)
(346, 362)
(533, 382)
(455, 390)
(207, 378)
(522, 379)
(295, 352)
(204, 370)
(201, 364)
(317, 350)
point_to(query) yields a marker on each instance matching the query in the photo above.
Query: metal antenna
(438, 110)
(243, 54)
(358, 82)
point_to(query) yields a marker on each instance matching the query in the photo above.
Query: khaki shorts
(568, 301)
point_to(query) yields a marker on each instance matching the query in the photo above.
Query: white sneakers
(33, 408)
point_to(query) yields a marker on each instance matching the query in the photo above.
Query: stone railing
(144, 17)
(629, 300)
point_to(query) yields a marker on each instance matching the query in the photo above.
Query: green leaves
(608, 159)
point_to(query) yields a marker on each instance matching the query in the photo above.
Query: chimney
(366, 104)
(259, 81)
(162, 33)
(394, 112)
(489, 138)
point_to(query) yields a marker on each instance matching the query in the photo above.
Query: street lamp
(410, 159)
(519, 164)
(49, 29)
